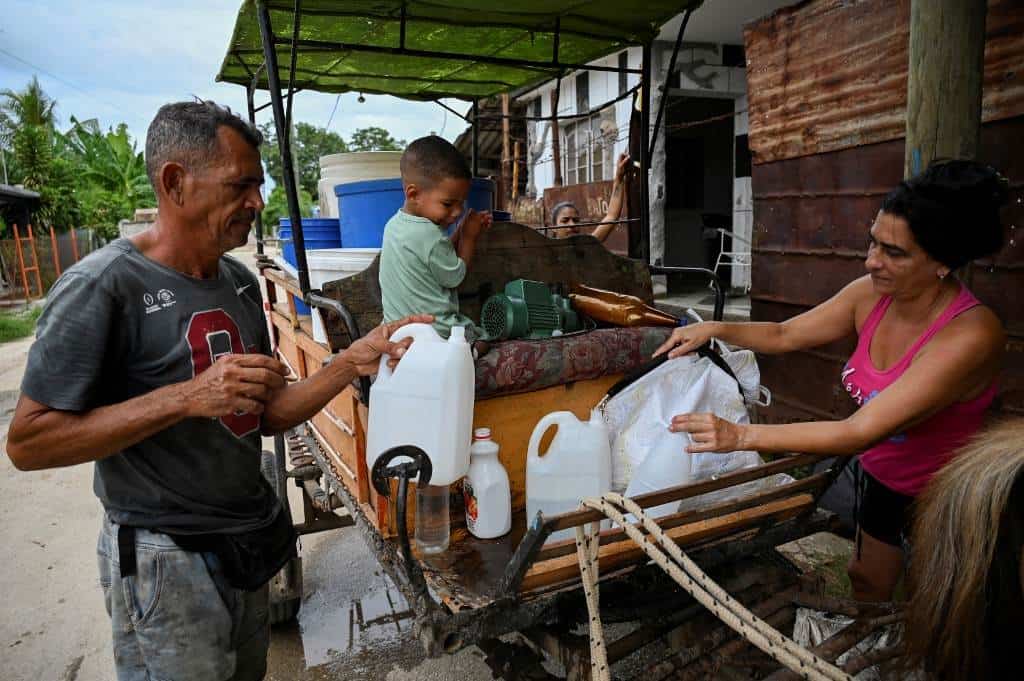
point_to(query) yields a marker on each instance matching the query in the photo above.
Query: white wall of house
(701, 73)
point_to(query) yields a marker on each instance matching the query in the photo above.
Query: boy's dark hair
(432, 159)
(186, 133)
(953, 210)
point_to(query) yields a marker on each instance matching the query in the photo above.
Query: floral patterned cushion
(526, 365)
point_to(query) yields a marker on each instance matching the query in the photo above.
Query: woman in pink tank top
(924, 371)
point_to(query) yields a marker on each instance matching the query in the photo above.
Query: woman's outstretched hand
(708, 433)
(686, 339)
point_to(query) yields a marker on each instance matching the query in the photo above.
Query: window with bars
(585, 157)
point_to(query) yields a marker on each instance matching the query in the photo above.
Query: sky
(119, 60)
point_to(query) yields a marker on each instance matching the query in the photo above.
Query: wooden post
(556, 144)
(515, 174)
(74, 242)
(21, 263)
(56, 253)
(506, 155)
(947, 55)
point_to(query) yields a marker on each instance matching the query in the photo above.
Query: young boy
(421, 267)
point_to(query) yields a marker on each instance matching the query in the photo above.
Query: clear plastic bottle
(432, 521)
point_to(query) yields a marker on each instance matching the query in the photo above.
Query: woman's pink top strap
(906, 461)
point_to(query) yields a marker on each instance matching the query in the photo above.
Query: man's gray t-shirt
(118, 325)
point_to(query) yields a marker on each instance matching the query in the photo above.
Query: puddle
(332, 631)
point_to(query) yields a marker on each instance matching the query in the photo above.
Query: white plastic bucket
(353, 166)
(331, 264)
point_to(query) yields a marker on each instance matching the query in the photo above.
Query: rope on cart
(588, 546)
(669, 557)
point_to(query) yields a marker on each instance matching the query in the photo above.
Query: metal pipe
(351, 327)
(476, 141)
(451, 110)
(589, 224)
(261, 107)
(284, 144)
(604, 105)
(716, 284)
(668, 78)
(250, 100)
(292, 55)
(401, 29)
(540, 66)
(557, 39)
(645, 157)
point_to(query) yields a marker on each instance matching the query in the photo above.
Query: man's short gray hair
(186, 133)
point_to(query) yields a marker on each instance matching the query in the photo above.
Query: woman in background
(566, 216)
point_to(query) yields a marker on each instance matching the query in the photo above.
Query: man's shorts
(177, 617)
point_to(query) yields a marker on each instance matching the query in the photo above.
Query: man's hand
(364, 354)
(234, 384)
(475, 224)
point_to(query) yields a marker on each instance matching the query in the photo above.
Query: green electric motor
(527, 309)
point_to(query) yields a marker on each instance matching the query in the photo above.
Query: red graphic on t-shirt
(212, 334)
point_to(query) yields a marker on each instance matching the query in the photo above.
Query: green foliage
(374, 139)
(112, 172)
(28, 107)
(277, 208)
(311, 142)
(33, 150)
(14, 325)
(60, 197)
(308, 145)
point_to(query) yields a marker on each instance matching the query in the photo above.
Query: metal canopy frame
(282, 108)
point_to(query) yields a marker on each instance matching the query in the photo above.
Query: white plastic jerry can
(427, 401)
(486, 489)
(578, 464)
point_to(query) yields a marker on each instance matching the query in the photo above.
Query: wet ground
(354, 624)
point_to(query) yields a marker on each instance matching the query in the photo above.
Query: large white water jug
(668, 464)
(427, 401)
(578, 464)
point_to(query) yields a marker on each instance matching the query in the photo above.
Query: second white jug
(578, 464)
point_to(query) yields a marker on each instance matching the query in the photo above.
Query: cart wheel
(286, 585)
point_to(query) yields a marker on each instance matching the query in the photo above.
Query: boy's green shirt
(420, 272)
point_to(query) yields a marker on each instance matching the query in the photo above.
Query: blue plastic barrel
(365, 207)
(317, 233)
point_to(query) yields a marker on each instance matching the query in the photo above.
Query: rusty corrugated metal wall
(827, 86)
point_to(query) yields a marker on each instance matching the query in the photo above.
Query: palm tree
(30, 106)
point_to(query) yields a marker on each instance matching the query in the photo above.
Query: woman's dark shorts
(884, 514)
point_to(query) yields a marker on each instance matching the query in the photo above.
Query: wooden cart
(480, 589)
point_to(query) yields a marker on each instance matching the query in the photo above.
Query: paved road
(54, 626)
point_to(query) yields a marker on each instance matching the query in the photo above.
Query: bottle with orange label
(486, 489)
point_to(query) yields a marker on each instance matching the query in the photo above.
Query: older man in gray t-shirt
(152, 359)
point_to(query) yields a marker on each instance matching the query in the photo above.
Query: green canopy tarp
(357, 45)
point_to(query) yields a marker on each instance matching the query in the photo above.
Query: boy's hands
(476, 223)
